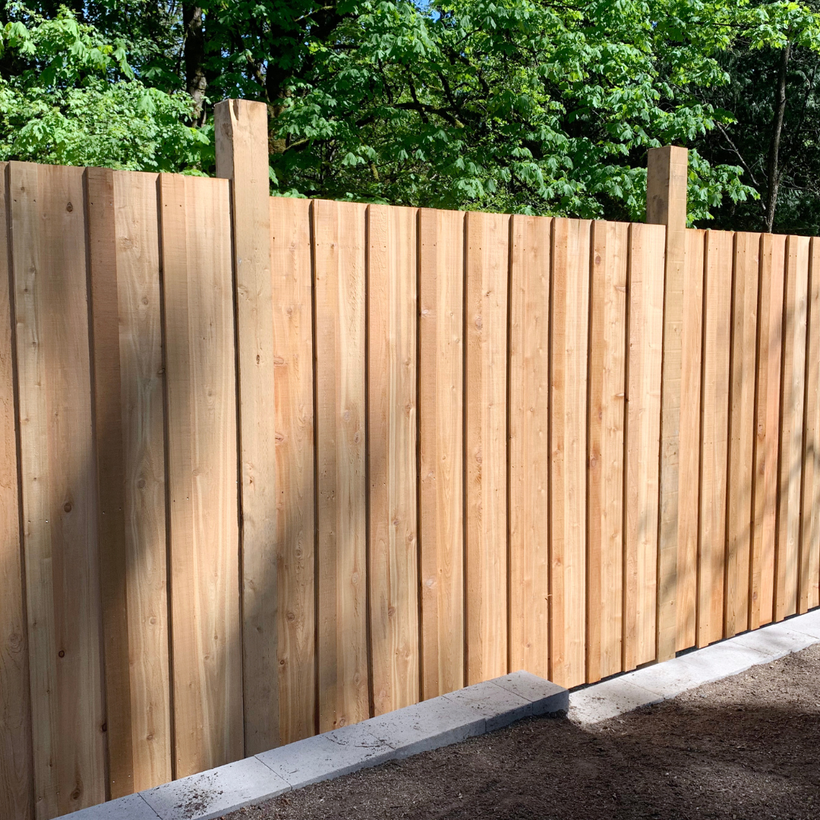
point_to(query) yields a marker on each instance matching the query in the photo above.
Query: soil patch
(746, 747)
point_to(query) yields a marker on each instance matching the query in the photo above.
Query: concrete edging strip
(428, 725)
(663, 681)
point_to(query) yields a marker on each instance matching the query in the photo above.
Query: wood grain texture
(769, 362)
(643, 430)
(740, 477)
(717, 326)
(568, 446)
(202, 472)
(607, 393)
(441, 449)
(667, 180)
(393, 568)
(295, 497)
(130, 441)
(339, 253)
(16, 772)
(689, 442)
(529, 444)
(241, 129)
(809, 593)
(793, 386)
(58, 486)
(486, 293)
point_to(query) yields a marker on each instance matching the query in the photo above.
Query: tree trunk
(196, 83)
(777, 132)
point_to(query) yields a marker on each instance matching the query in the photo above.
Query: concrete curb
(431, 724)
(663, 681)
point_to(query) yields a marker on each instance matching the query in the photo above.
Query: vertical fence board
(795, 306)
(241, 147)
(740, 476)
(810, 527)
(607, 391)
(339, 235)
(689, 452)
(295, 498)
(128, 384)
(569, 325)
(529, 445)
(202, 477)
(393, 569)
(441, 440)
(769, 345)
(715, 420)
(646, 266)
(58, 486)
(486, 445)
(16, 775)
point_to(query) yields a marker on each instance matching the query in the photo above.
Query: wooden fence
(271, 466)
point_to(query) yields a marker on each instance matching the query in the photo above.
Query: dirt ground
(743, 748)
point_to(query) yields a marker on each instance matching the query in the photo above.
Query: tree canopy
(535, 106)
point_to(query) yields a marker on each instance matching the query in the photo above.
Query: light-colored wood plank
(202, 472)
(689, 442)
(293, 423)
(667, 179)
(529, 444)
(129, 430)
(717, 323)
(58, 486)
(339, 253)
(793, 386)
(393, 568)
(741, 433)
(139, 322)
(486, 292)
(810, 528)
(607, 393)
(770, 346)
(16, 774)
(643, 430)
(568, 446)
(441, 459)
(241, 128)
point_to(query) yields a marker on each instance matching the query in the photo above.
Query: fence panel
(486, 292)
(202, 472)
(810, 529)
(392, 383)
(740, 474)
(58, 486)
(339, 253)
(529, 444)
(568, 446)
(607, 419)
(441, 449)
(293, 428)
(124, 279)
(16, 775)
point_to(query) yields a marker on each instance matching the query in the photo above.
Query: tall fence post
(666, 205)
(242, 156)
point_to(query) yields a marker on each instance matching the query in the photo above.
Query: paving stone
(329, 755)
(609, 699)
(428, 725)
(775, 641)
(808, 623)
(132, 807)
(498, 706)
(546, 697)
(213, 793)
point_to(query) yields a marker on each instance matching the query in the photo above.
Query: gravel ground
(746, 747)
